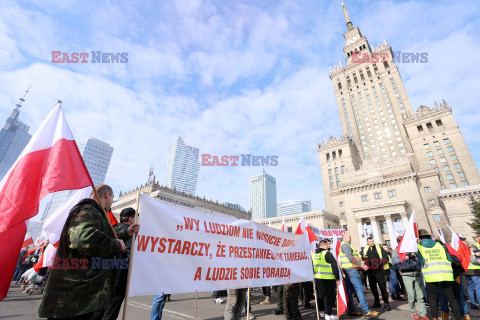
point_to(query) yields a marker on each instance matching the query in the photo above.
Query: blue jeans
(473, 289)
(157, 307)
(393, 284)
(458, 292)
(355, 280)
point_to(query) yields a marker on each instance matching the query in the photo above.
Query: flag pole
(196, 303)
(103, 211)
(248, 302)
(130, 260)
(315, 293)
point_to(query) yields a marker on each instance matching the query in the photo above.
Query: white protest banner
(181, 249)
(327, 233)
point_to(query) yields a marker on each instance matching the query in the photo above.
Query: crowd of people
(431, 277)
(435, 276)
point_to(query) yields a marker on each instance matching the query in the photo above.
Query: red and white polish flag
(284, 225)
(28, 240)
(342, 298)
(50, 162)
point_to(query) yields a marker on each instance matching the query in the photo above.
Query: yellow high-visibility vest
(346, 264)
(473, 266)
(379, 251)
(437, 268)
(321, 268)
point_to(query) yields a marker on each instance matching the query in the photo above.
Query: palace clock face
(353, 39)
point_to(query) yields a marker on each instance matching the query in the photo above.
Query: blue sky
(230, 77)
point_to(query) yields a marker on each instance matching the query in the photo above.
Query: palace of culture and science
(391, 161)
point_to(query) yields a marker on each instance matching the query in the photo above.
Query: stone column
(391, 231)
(376, 233)
(360, 231)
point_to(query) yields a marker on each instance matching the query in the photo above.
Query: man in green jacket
(84, 270)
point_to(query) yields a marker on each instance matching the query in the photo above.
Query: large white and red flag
(409, 239)
(462, 249)
(302, 228)
(50, 162)
(28, 240)
(342, 298)
(284, 225)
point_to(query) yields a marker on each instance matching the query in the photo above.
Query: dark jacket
(121, 281)
(71, 288)
(373, 260)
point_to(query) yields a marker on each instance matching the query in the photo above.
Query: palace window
(378, 195)
(431, 202)
(446, 141)
(340, 203)
(364, 198)
(392, 193)
(383, 226)
(450, 149)
(426, 146)
(428, 190)
(453, 157)
(436, 217)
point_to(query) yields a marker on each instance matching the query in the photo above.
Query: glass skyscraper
(14, 137)
(263, 196)
(182, 167)
(293, 206)
(97, 155)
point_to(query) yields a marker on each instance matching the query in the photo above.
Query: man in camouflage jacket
(77, 287)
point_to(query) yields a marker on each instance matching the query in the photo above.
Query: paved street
(18, 306)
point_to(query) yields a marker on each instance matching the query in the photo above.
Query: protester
(437, 269)
(457, 286)
(235, 301)
(306, 291)
(473, 278)
(124, 230)
(377, 259)
(266, 293)
(327, 278)
(477, 242)
(157, 306)
(351, 261)
(410, 271)
(249, 307)
(76, 293)
(290, 301)
(18, 268)
(279, 309)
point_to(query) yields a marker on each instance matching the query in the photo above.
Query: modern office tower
(293, 206)
(263, 196)
(182, 167)
(391, 161)
(97, 155)
(14, 137)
